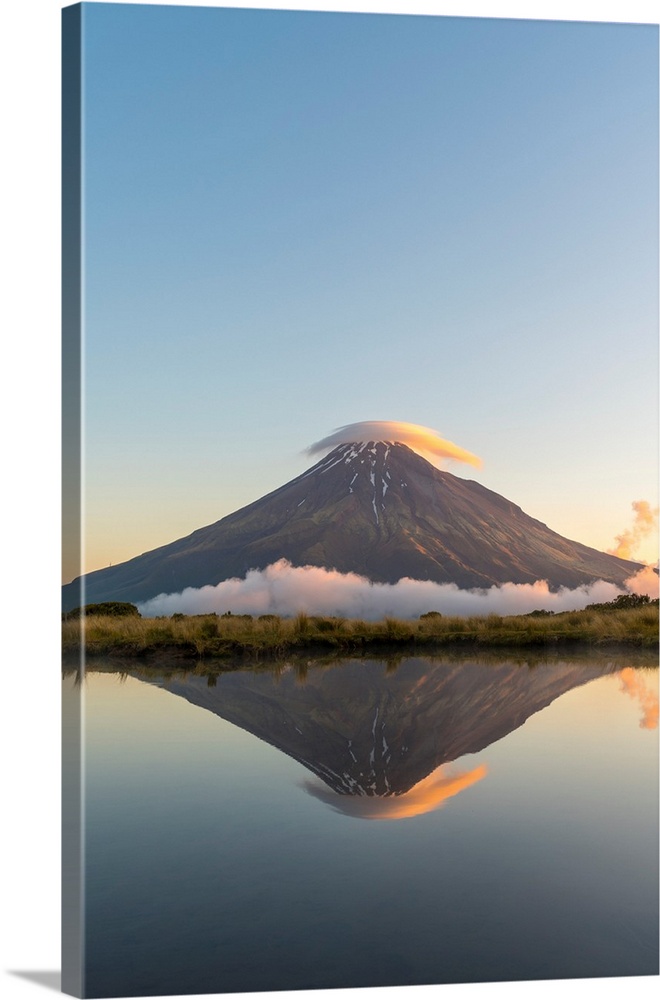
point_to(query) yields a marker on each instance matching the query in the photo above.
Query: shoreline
(221, 638)
(176, 656)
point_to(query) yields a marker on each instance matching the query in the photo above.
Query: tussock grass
(229, 635)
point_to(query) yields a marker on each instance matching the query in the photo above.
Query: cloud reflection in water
(427, 795)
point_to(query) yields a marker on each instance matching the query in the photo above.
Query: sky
(299, 220)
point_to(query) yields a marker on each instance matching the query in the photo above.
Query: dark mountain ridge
(376, 509)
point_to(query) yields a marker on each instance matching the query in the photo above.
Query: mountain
(368, 731)
(377, 509)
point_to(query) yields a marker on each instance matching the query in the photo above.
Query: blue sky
(296, 221)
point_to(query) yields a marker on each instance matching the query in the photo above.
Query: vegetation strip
(119, 629)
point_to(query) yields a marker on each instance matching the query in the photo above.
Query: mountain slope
(378, 510)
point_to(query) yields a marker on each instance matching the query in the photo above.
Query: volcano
(370, 732)
(377, 509)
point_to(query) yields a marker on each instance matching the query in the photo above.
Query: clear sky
(296, 221)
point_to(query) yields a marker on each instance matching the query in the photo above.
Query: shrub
(396, 629)
(208, 629)
(301, 624)
(321, 624)
(623, 602)
(117, 609)
(157, 634)
(327, 624)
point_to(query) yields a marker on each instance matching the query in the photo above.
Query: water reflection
(380, 741)
(427, 795)
(525, 856)
(634, 684)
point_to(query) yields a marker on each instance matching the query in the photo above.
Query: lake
(370, 822)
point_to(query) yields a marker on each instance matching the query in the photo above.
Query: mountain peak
(370, 467)
(375, 508)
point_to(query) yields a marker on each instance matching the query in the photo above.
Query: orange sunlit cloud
(645, 521)
(633, 683)
(427, 795)
(645, 581)
(421, 439)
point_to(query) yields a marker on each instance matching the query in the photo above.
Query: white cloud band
(285, 590)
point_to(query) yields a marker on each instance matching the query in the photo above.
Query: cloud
(645, 581)
(645, 521)
(285, 590)
(418, 438)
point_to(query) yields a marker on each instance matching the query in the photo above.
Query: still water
(370, 823)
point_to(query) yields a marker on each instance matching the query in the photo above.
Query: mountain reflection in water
(427, 795)
(381, 741)
(217, 862)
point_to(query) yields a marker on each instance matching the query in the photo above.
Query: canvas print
(360, 592)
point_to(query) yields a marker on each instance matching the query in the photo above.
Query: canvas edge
(72, 427)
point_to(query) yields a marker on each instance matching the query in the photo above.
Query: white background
(29, 459)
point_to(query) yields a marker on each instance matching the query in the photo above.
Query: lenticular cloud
(414, 435)
(284, 589)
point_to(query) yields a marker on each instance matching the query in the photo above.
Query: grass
(212, 636)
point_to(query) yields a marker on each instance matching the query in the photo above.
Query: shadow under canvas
(49, 979)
